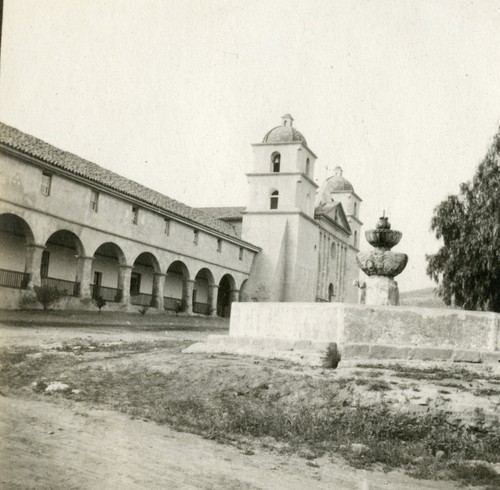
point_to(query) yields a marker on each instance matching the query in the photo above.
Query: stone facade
(70, 223)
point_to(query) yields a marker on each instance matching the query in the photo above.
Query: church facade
(69, 223)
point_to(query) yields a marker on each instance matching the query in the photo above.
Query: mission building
(72, 224)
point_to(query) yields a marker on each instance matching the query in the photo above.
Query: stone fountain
(381, 265)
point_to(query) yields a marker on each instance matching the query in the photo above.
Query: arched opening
(59, 264)
(356, 239)
(308, 167)
(274, 200)
(105, 272)
(244, 293)
(177, 275)
(15, 236)
(331, 293)
(226, 285)
(308, 203)
(201, 292)
(355, 209)
(275, 162)
(333, 251)
(142, 280)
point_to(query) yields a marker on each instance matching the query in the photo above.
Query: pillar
(158, 289)
(125, 271)
(83, 276)
(212, 299)
(33, 264)
(235, 295)
(187, 296)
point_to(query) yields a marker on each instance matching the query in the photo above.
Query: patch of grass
(433, 373)
(486, 392)
(379, 385)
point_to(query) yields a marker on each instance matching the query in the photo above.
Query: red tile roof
(34, 147)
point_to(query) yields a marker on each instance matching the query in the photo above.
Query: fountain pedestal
(381, 265)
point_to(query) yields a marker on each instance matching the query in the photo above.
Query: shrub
(332, 356)
(100, 302)
(47, 295)
(143, 309)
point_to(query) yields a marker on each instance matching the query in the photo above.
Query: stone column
(187, 296)
(212, 299)
(83, 276)
(235, 295)
(158, 289)
(125, 271)
(33, 263)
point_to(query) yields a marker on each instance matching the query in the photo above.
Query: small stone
(248, 452)
(76, 392)
(56, 386)
(440, 455)
(312, 464)
(357, 448)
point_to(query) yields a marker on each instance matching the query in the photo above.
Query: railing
(68, 288)
(171, 303)
(111, 295)
(141, 299)
(223, 311)
(201, 308)
(13, 279)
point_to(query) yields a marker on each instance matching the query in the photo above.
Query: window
(195, 237)
(356, 209)
(308, 167)
(219, 245)
(241, 253)
(355, 238)
(274, 199)
(46, 184)
(135, 215)
(275, 162)
(167, 226)
(332, 251)
(94, 198)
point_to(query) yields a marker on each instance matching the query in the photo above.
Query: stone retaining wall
(302, 332)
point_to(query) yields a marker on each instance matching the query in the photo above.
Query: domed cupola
(285, 133)
(338, 183)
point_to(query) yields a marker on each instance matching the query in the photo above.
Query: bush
(100, 302)
(143, 309)
(47, 295)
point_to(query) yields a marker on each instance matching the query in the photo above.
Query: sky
(403, 95)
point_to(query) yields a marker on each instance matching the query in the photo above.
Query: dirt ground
(65, 445)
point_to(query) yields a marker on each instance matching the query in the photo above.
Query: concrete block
(349, 351)
(466, 356)
(491, 356)
(389, 352)
(430, 354)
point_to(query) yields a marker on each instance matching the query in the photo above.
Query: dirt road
(48, 446)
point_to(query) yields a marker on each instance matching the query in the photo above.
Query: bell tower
(279, 216)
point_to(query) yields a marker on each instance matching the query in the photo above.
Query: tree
(467, 266)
